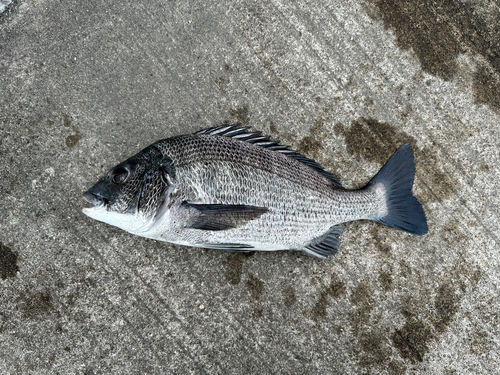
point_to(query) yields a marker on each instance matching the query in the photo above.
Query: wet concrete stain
(485, 168)
(451, 233)
(374, 349)
(233, 265)
(318, 312)
(445, 305)
(384, 248)
(372, 346)
(362, 298)
(336, 289)
(438, 31)
(8, 262)
(36, 305)
(255, 286)
(309, 145)
(386, 280)
(273, 129)
(412, 341)
(429, 313)
(371, 139)
(289, 297)
(3, 321)
(377, 141)
(71, 140)
(257, 312)
(486, 87)
(313, 144)
(479, 343)
(240, 114)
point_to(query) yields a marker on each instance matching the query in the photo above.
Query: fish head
(134, 194)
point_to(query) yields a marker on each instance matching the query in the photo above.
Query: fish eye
(119, 175)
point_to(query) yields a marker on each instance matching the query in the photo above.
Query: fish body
(229, 189)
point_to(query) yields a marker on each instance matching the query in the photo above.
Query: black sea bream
(228, 189)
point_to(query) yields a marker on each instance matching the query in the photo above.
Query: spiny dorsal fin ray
(240, 133)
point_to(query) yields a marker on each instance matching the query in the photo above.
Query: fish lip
(94, 199)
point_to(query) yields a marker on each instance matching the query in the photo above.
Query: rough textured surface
(82, 87)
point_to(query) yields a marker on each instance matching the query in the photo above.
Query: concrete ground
(85, 84)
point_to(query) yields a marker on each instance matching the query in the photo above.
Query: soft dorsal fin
(256, 138)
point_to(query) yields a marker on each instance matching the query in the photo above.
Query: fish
(237, 190)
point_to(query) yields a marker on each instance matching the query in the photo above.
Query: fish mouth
(94, 199)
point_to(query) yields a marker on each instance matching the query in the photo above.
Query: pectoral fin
(221, 216)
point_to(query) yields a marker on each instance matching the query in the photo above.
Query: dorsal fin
(240, 133)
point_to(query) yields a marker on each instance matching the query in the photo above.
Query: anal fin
(325, 245)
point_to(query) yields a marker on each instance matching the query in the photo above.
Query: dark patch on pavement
(429, 312)
(362, 298)
(66, 120)
(233, 265)
(3, 322)
(426, 27)
(273, 129)
(377, 141)
(8, 262)
(451, 233)
(313, 144)
(309, 145)
(385, 249)
(71, 140)
(371, 139)
(446, 305)
(412, 341)
(36, 305)
(318, 312)
(289, 297)
(240, 114)
(396, 368)
(373, 349)
(255, 286)
(257, 312)
(337, 287)
(487, 86)
(478, 342)
(485, 168)
(438, 31)
(386, 280)
(372, 346)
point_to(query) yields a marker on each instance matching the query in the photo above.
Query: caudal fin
(404, 210)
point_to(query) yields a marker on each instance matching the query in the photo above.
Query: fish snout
(94, 199)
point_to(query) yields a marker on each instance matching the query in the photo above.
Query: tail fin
(404, 210)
